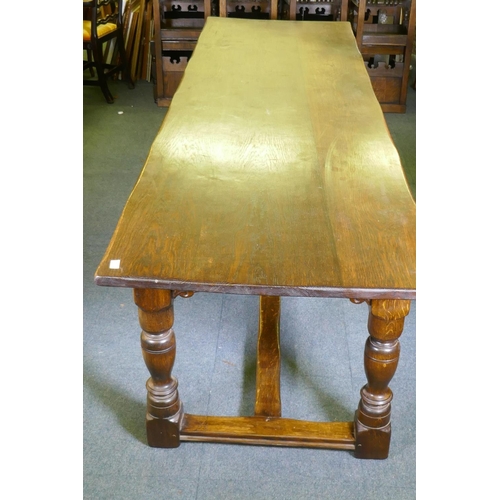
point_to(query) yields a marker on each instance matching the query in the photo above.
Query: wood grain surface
(273, 173)
(268, 431)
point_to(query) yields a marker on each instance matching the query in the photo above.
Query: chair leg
(101, 75)
(124, 62)
(89, 59)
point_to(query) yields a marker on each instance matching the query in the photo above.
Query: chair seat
(102, 30)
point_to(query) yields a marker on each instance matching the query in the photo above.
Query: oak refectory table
(272, 174)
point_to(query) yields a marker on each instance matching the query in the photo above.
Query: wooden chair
(318, 10)
(104, 27)
(249, 9)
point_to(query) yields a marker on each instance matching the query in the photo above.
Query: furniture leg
(89, 59)
(101, 74)
(372, 421)
(164, 408)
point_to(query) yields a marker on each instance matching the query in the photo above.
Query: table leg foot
(164, 408)
(372, 421)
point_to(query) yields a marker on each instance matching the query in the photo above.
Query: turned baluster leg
(164, 408)
(373, 418)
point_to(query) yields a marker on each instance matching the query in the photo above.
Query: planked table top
(273, 173)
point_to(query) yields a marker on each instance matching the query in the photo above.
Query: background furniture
(305, 10)
(177, 25)
(385, 33)
(104, 26)
(248, 9)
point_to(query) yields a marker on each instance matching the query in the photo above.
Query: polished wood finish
(164, 408)
(373, 417)
(265, 180)
(257, 195)
(269, 431)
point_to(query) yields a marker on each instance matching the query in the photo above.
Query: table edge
(242, 289)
